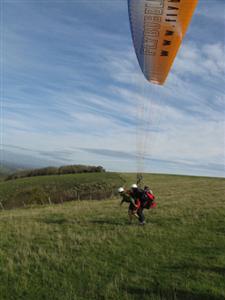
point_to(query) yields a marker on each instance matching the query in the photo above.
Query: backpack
(149, 200)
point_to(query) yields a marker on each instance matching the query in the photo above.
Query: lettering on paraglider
(152, 25)
(172, 12)
(155, 13)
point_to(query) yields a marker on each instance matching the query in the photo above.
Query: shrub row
(72, 169)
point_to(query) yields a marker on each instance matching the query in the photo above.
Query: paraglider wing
(158, 27)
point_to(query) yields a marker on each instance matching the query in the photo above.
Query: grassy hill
(4, 171)
(87, 250)
(57, 188)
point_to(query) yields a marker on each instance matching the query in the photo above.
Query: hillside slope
(87, 250)
(57, 189)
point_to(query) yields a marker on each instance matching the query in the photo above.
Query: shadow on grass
(55, 219)
(109, 222)
(59, 219)
(218, 270)
(213, 269)
(187, 295)
(139, 291)
(168, 294)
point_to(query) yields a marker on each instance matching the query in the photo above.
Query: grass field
(87, 249)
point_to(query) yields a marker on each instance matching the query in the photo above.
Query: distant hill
(58, 189)
(5, 170)
(17, 161)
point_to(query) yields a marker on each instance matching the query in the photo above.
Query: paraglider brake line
(139, 178)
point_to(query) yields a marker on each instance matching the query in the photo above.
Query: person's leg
(130, 213)
(141, 215)
(135, 214)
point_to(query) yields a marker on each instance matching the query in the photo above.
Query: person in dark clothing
(138, 193)
(134, 204)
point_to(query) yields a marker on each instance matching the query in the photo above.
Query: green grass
(87, 249)
(57, 188)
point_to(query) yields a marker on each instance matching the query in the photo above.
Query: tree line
(71, 169)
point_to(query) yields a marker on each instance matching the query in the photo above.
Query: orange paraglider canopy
(158, 28)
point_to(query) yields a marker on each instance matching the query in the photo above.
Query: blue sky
(72, 90)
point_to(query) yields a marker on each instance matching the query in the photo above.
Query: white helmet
(134, 186)
(120, 190)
